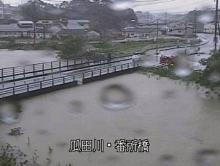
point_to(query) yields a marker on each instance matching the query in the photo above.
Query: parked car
(165, 60)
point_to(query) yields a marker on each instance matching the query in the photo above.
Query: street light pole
(216, 25)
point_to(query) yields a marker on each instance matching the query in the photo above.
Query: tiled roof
(75, 24)
(13, 28)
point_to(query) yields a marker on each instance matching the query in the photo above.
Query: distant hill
(101, 15)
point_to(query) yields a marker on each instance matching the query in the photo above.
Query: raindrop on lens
(183, 72)
(8, 113)
(206, 18)
(122, 5)
(214, 77)
(116, 97)
(208, 157)
(183, 68)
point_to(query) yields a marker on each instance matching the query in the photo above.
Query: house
(140, 32)
(181, 30)
(25, 24)
(46, 29)
(74, 28)
(41, 34)
(93, 35)
(14, 31)
(23, 29)
(209, 28)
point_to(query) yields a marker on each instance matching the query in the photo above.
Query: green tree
(72, 47)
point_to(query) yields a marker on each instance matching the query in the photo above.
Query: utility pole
(216, 25)
(185, 24)
(195, 23)
(148, 18)
(166, 18)
(3, 10)
(157, 52)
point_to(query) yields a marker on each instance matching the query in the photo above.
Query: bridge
(39, 78)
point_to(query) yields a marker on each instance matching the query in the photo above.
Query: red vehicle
(165, 60)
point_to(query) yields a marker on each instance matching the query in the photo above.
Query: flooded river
(182, 126)
(11, 58)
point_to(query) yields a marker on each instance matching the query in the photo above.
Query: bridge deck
(39, 78)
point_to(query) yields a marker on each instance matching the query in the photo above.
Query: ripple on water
(208, 157)
(42, 132)
(112, 158)
(169, 94)
(61, 144)
(139, 132)
(166, 160)
(77, 107)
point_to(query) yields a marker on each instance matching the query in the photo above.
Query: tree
(71, 47)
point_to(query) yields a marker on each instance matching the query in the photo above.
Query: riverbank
(116, 48)
(209, 78)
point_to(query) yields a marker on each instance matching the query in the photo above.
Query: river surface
(176, 119)
(10, 58)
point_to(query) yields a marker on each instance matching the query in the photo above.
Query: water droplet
(206, 18)
(9, 113)
(214, 77)
(183, 72)
(116, 97)
(122, 5)
(183, 67)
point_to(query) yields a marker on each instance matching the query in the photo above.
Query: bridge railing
(41, 69)
(30, 87)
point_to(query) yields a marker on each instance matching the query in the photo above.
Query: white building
(209, 28)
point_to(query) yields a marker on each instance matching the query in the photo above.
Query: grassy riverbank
(71, 47)
(209, 78)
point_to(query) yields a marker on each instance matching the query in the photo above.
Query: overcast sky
(153, 5)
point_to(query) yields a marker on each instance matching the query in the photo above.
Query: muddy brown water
(179, 123)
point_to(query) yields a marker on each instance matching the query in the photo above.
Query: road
(207, 45)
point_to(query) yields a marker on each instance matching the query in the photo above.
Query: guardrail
(59, 81)
(41, 69)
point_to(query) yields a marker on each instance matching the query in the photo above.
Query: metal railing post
(59, 65)
(13, 72)
(43, 68)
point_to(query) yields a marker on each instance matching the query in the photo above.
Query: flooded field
(180, 125)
